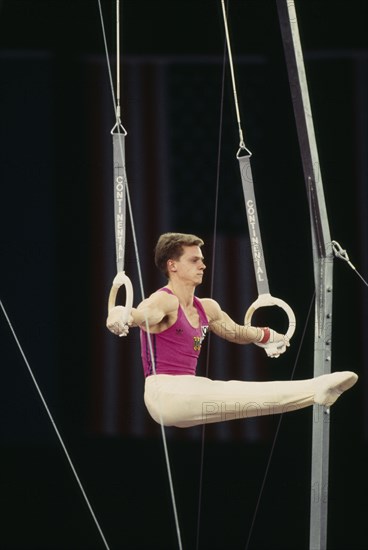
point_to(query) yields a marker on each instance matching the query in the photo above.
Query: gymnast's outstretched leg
(186, 400)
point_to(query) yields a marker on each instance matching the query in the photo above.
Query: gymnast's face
(189, 267)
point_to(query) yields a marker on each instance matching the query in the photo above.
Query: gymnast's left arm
(223, 326)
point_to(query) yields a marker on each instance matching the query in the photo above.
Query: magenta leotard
(176, 349)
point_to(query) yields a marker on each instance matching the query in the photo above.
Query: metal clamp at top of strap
(116, 129)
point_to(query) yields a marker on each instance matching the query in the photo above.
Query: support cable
(117, 282)
(212, 284)
(273, 446)
(53, 423)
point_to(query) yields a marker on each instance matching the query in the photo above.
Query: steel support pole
(323, 265)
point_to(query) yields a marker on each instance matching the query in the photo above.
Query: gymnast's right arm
(151, 313)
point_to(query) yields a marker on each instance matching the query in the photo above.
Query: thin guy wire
(361, 277)
(213, 262)
(278, 427)
(54, 426)
(164, 441)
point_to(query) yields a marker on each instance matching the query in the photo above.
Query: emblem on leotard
(199, 339)
(197, 343)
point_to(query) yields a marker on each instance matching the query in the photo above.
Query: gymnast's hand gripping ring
(265, 300)
(122, 280)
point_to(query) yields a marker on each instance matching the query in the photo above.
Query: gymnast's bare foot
(329, 387)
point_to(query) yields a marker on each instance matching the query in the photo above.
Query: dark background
(57, 264)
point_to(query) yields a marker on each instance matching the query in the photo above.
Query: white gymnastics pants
(186, 400)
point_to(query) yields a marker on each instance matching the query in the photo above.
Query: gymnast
(173, 323)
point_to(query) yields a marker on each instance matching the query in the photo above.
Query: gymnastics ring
(122, 280)
(265, 300)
